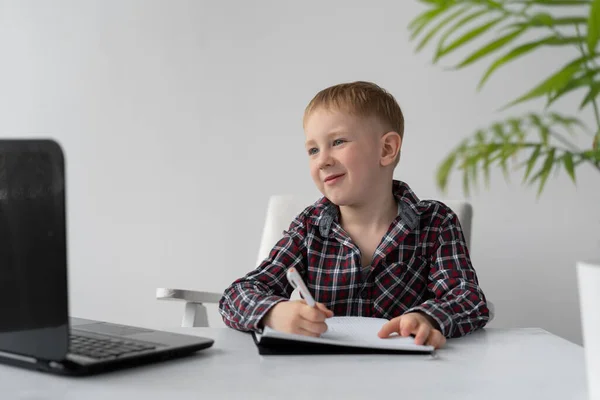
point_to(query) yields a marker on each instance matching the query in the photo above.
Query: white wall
(179, 118)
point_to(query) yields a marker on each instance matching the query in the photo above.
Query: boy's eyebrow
(330, 134)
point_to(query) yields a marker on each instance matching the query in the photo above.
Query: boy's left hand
(417, 324)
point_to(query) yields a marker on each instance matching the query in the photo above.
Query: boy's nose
(325, 160)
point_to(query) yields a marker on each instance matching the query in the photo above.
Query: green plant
(542, 136)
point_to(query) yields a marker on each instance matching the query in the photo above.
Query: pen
(297, 283)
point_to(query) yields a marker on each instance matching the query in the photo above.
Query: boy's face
(344, 154)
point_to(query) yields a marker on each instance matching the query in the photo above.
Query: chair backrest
(464, 212)
(281, 211)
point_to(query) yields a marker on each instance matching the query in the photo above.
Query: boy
(369, 247)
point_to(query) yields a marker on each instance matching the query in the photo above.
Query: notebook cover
(279, 346)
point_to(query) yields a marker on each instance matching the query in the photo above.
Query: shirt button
(363, 294)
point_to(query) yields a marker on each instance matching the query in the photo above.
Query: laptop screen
(33, 257)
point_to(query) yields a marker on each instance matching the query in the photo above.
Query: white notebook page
(354, 331)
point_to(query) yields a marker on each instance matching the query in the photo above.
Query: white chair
(281, 210)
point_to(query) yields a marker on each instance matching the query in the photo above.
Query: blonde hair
(360, 98)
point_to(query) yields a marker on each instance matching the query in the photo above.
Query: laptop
(35, 329)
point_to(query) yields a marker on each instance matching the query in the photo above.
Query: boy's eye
(312, 151)
(337, 142)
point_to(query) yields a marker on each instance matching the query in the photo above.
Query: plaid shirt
(422, 265)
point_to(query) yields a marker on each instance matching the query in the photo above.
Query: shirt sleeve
(459, 305)
(247, 300)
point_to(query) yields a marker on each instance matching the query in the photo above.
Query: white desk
(490, 364)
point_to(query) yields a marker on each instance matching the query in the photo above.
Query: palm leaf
(545, 171)
(544, 131)
(460, 23)
(568, 21)
(568, 162)
(419, 23)
(545, 20)
(593, 26)
(444, 170)
(531, 162)
(592, 155)
(466, 186)
(484, 150)
(524, 49)
(491, 47)
(567, 122)
(585, 79)
(502, 140)
(553, 2)
(554, 83)
(473, 171)
(516, 131)
(541, 19)
(438, 27)
(498, 131)
(467, 37)
(548, 20)
(591, 95)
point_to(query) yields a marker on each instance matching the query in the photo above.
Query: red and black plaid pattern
(422, 264)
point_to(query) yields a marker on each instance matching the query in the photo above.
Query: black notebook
(345, 335)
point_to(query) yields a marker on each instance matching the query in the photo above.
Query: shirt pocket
(399, 286)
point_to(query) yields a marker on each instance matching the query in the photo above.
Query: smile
(330, 180)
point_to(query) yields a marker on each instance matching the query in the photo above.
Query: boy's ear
(391, 143)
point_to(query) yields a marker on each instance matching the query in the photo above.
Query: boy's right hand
(298, 317)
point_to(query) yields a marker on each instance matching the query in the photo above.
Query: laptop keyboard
(105, 348)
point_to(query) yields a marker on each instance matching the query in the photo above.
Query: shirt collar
(408, 210)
